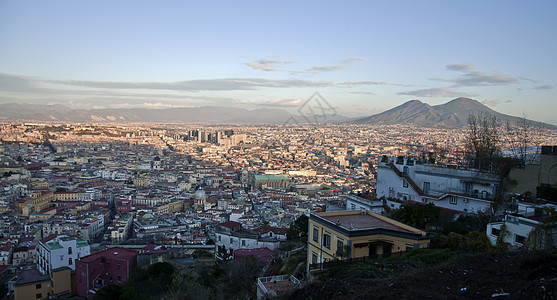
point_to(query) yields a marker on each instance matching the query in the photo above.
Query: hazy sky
(363, 57)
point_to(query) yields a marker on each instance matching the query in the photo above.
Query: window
(352, 206)
(340, 246)
(38, 296)
(315, 235)
(244, 243)
(519, 239)
(38, 286)
(69, 250)
(327, 241)
(404, 183)
(495, 231)
(452, 200)
(119, 278)
(119, 267)
(406, 170)
(468, 187)
(70, 261)
(313, 258)
(426, 187)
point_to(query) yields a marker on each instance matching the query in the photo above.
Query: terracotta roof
(230, 224)
(48, 238)
(263, 254)
(275, 230)
(115, 252)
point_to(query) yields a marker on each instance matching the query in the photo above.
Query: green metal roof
(71, 238)
(54, 245)
(271, 177)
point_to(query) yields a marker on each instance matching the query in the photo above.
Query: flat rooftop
(356, 221)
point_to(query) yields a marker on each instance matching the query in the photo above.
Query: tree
(519, 138)
(343, 252)
(416, 214)
(299, 228)
(109, 292)
(482, 141)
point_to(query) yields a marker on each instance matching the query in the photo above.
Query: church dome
(200, 194)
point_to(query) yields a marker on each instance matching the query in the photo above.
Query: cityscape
(362, 150)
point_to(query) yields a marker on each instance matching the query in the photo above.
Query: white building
(57, 251)
(460, 190)
(231, 235)
(354, 202)
(514, 230)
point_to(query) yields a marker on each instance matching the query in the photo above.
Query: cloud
(350, 60)
(544, 87)
(284, 102)
(461, 67)
(490, 102)
(352, 83)
(259, 66)
(472, 77)
(225, 84)
(274, 61)
(320, 69)
(332, 68)
(362, 92)
(436, 92)
(15, 83)
(267, 64)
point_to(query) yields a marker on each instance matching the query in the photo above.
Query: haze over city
(363, 57)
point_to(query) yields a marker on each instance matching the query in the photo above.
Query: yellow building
(36, 203)
(65, 196)
(355, 234)
(142, 181)
(170, 208)
(31, 284)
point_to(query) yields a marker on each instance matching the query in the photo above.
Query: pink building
(110, 266)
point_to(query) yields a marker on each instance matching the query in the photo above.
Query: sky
(362, 57)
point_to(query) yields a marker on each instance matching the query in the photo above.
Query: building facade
(271, 181)
(56, 251)
(232, 236)
(355, 234)
(404, 180)
(111, 266)
(354, 202)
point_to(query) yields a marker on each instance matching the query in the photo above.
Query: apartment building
(461, 190)
(110, 266)
(355, 234)
(56, 251)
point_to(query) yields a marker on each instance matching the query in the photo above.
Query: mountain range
(452, 114)
(203, 114)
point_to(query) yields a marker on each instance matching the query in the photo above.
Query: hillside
(202, 114)
(478, 276)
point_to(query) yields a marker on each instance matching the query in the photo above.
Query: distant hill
(452, 114)
(203, 114)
